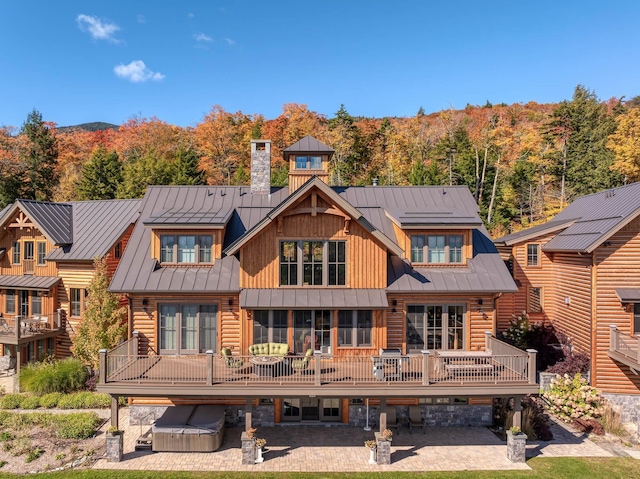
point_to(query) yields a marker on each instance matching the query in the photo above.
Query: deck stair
(143, 443)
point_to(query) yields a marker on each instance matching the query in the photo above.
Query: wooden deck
(18, 330)
(625, 349)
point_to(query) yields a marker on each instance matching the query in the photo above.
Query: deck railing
(28, 326)
(627, 346)
(454, 367)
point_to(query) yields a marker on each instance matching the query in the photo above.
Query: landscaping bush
(71, 401)
(591, 426)
(50, 400)
(30, 402)
(11, 401)
(541, 336)
(50, 376)
(534, 420)
(97, 401)
(80, 425)
(571, 398)
(572, 364)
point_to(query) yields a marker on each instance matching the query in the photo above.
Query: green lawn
(551, 468)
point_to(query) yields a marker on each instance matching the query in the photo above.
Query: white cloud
(190, 15)
(141, 19)
(137, 72)
(229, 41)
(98, 29)
(201, 37)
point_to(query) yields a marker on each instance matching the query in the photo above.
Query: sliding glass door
(188, 328)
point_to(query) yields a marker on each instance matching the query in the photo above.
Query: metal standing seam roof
(97, 226)
(628, 295)
(54, 220)
(533, 232)
(308, 144)
(303, 298)
(138, 272)
(27, 281)
(4, 211)
(590, 220)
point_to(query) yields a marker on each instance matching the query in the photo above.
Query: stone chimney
(260, 167)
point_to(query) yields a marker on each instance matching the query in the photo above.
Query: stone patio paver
(341, 449)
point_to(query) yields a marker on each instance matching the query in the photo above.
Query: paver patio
(341, 449)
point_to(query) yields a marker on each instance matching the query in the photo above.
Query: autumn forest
(522, 162)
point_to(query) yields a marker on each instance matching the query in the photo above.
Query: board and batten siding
(617, 266)
(366, 257)
(12, 235)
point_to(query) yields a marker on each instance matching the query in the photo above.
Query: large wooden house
(46, 263)
(373, 292)
(580, 270)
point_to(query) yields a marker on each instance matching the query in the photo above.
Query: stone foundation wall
(434, 415)
(628, 405)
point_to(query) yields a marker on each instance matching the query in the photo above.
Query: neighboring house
(580, 270)
(394, 286)
(46, 263)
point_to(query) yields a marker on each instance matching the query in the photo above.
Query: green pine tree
(100, 176)
(40, 158)
(186, 169)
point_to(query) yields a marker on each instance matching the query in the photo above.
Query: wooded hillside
(522, 162)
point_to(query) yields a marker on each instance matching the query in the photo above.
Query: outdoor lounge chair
(4, 327)
(230, 361)
(7, 365)
(415, 418)
(392, 421)
(302, 363)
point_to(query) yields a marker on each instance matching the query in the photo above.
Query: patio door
(24, 303)
(435, 327)
(311, 409)
(188, 328)
(315, 324)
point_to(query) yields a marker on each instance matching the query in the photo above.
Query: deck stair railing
(628, 346)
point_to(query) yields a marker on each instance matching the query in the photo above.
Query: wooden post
(613, 337)
(316, 358)
(487, 340)
(18, 320)
(517, 411)
(59, 325)
(209, 354)
(532, 365)
(383, 414)
(114, 412)
(425, 368)
(135, 344)
(248, 414)
(103, 366)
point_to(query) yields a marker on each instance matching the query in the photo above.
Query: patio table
(266, 365)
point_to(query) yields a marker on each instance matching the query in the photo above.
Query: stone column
(516, 447)
(115, 446)
(248, 449)
(383, 451)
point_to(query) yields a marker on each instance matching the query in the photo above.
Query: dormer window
(185, 248)
(436, 249)
(308, 162)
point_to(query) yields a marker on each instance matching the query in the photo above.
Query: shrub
(96, 400)
(571, 397)
(592, 426)
(50, 376)
(80, 425)
(572, 364)
(30, 402)
(34, 454)
(541, 336)
(611, 420)
(71, 401)
(11, 401)
(534, 420)
(50, 400)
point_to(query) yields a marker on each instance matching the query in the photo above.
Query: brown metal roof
(533, 232)
(54, 220)
(308, 144)
(303, 298)
(628, 295)
(97, 225)
(27, 281)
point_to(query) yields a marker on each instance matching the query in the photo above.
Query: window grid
(191, 249)
(42, 252)
(354, 328)
(533, 255)
(74, 301)
(10, 301)
(308, 162)
(28, 250)
(322, 263)
(16, 253)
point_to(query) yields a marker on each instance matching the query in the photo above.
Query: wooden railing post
(613, 337)
(316, 358)
(103, 366)
(59, 321)
(638, 349)
(487, 340)
(532, 365)
(209, 354)
(425, 368)
(18, 320)
(135, 344)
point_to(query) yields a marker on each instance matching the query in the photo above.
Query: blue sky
(81, 61)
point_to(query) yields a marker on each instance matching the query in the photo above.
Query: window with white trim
(436, 248)
(308, 162)
(435, 326)
(186, 249)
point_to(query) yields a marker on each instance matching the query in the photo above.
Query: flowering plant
(571, 398)
(251, 433)
(515, 430)
(387, 434)
(519, 327)
(371, 444)
(260, 442)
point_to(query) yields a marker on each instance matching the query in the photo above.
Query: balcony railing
(624, 348)
(28, 326)
(493, 366)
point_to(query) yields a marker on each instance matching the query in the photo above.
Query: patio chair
(230, 361)
(302, 363)
(43, 322)
(4, 327)
(7, 365)
(415, 418)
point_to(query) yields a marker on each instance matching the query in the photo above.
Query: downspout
(594, 300)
